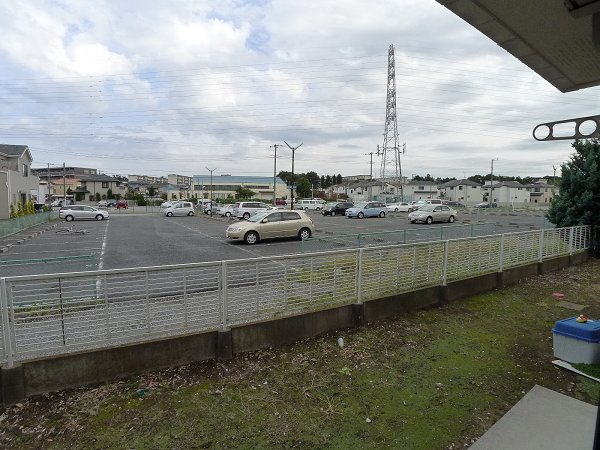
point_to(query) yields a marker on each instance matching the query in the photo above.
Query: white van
(180, 209)
(305, 204)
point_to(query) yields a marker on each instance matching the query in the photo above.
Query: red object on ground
(558, 295)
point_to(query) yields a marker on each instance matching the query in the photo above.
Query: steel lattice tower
(391, 169)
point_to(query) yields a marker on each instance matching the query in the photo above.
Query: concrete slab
(569, 305)
(543, 419)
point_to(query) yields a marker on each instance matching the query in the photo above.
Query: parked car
(166, 204)
(339, 208)
(59, 203)
(111, 203)
(82, 212)
(433, 213)
(102, 204)
(180, 209)
(122, 204)
(280, 202)
(486, 205)
(454, 204)
(307, 204)
(367, 209)
(244, 210)
(272, 224)
(400, 206)
(227, 210)
(431, 201)
(210, 208)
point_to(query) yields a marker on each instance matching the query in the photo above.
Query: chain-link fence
(12, 226)
(38, 266)
(410, 235)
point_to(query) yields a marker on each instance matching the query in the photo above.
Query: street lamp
(293, 149)
(211, 188)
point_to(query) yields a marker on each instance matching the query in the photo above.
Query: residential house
(16, 180)
(541, 192)
(92, 186)
(466, 192)
(175, 191)
(506, 193)
(421, 190)
(360, 191)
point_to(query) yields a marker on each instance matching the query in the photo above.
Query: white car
(166, 204)
(227, 210)
(244, 210)
(180, 209)
(400, 206)
(82, 212)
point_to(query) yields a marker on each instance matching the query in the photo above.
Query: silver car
(433, 213)
(82, 212)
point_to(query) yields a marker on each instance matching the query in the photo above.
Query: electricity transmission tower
(391, 168)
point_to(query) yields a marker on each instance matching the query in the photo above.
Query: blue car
(367, 209)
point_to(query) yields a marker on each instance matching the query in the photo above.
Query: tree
(98, 197)
(322, 182)
(243, 192)
(109, 193)
(303, 188)
(578, 200)
(313, 178)
(339, 179)
(328, 181)
(285, 176)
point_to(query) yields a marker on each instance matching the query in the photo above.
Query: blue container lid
(586, 331)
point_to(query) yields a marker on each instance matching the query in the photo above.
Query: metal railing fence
(420, 234)
(53, 314)
(12, 226)
(37, 266)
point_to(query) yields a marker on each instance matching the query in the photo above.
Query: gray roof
(510, 184)
(454, 183)
(13, 150)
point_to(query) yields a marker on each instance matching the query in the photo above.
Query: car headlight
(234, 229)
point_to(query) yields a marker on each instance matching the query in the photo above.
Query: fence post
(445, 264)
(501, 255)
(359, 277)
(224, 305)
(541, 247)
(6, 334)
(571, 239)
(224, 348)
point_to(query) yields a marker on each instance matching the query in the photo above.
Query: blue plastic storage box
(577, 342)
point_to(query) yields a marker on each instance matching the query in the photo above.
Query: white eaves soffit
(552, 37)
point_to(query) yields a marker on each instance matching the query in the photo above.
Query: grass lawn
(428, 380)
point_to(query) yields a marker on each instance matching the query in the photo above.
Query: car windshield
(427, 208)
(259, 216)
(360, 205)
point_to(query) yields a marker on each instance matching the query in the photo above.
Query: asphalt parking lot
(150, 239)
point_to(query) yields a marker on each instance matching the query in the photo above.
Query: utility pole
(64, 185)
(211, 188)
(275, 171)
(293, 149)
(48, 185)
(371, 175)
(492, 182)
(554, 176)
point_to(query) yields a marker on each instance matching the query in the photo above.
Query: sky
(155, 87)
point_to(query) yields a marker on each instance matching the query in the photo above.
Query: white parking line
(220, 240)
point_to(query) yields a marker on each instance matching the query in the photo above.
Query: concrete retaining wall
(39, 376)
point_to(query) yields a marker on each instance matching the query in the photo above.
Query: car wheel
(451, 219)
(410, 210)
(99, 217)
(304, 233)
(318, 209)
(69, 218)
(360, 215)
(332, 213)
(169, 214)
(251, 237)
(429, 220)
(395, 209)
(227, 214)
(246, 216)
(382, 214)
(191, 213)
